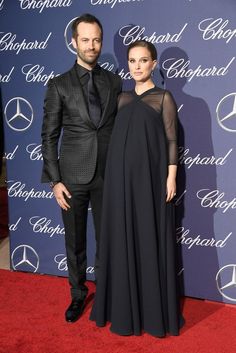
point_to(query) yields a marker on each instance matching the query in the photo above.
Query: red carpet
(32, 321)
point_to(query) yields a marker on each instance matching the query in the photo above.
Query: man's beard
(88, 60)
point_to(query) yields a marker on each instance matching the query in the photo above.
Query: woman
(136, 289)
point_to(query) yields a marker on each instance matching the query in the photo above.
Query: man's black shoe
(75, 310)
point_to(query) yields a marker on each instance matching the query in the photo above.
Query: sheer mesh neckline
(162, 102)
(145, 92)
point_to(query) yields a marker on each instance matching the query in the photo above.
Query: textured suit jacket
(83, 146)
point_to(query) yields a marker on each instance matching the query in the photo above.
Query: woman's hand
(171, 182)
(170, 189)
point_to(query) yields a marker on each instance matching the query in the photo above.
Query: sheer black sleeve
(169, 112)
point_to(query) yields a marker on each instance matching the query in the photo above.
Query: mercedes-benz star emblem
(226, 112)
(1, 4)
(226, 282)
(67, 36)
(19, 114)
(25, 258)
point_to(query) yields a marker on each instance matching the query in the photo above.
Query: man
(82, 104)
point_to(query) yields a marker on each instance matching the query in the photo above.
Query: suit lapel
(81, 105)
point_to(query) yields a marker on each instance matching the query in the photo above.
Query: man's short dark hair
(87, 18)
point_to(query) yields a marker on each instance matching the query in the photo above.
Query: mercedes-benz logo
(226, 282)
(226, 112)
(19, 114)
(25, 258)
(1, 4)
(67, 36)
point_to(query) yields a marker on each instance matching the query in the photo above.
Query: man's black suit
(82, 158)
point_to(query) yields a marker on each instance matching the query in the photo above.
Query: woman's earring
(152, 73)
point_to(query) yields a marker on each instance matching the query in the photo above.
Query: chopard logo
(14, 226)
(112, 3)
(131, 33)
(183, 237)
(35, 73)
(8, 42)
(43, 4)
(214, 199)
(11, 155)
(17, 189)
(43, 225)
(90, 269)
(226, 112)
(180, 197)
(61, 261)
(7, 77)
(189, 161)
(18, 114)
(226, 281)
(216, 29)
(111, 67)
(34, 151)
(25, 258)
(180, 68)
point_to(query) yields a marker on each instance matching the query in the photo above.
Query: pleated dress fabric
(136, 285)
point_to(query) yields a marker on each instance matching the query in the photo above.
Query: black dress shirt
(98, 78)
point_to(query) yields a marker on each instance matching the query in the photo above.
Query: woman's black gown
(136, 286)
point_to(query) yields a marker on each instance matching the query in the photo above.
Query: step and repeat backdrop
(196, 43)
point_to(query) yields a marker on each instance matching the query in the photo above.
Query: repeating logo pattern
(68, 36)
(226, 282)
(25, 258)
(1, 4)
(226, 112)
(196, 58)
(19, 114)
